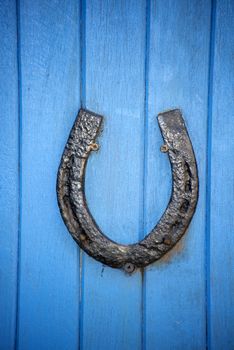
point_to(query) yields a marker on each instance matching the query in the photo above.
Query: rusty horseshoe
(173, 223)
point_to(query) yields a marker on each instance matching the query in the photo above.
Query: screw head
(129, 267)
(164, 148)
(94, 147)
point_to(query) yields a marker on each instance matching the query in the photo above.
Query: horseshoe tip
(170, 118)
(169, 113)
(91, 113)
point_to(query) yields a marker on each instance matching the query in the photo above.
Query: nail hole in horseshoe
(82, 237)
(167, 240)
(184, 206)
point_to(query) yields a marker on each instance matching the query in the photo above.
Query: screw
(94, 147)
(129, 267)
(164, 148)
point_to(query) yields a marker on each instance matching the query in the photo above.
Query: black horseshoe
(173, 223)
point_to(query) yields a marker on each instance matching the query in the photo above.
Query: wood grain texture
(114, 87)
(174, 296)
(221, 301)
(49, 266)
(138, 58)
(9, 175)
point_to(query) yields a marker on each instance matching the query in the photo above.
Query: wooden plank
(114, 87)
(174, 296)
(49, 278)
(9, 175)
(221, 321)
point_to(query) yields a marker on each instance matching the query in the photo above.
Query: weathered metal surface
(173, 223)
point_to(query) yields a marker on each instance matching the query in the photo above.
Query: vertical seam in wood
(208, 166)
(81, 293)
(145, 152)
(18, 268)
(83, 104)
(83, 53)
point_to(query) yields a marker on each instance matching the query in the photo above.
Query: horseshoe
(173, 223)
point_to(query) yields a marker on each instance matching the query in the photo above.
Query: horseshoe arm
(173, 223)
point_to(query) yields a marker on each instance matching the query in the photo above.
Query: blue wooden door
(127, 60)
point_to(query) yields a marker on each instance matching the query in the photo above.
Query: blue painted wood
(8, 172)
(114, 87)
(49, 265)
(138, 58)
(174, 288)
(221, 289)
